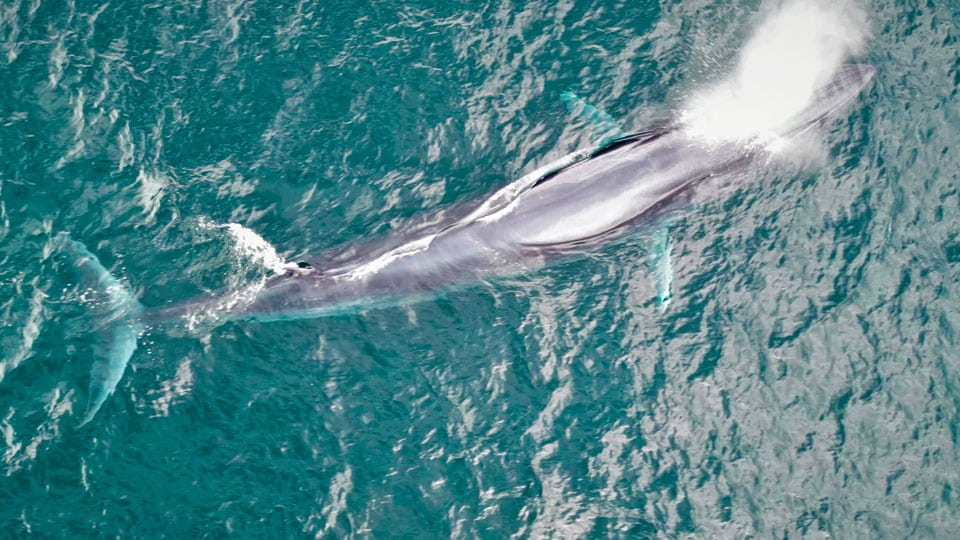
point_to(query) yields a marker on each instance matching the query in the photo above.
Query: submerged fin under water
(581, 200)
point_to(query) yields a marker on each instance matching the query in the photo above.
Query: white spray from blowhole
(795, 50)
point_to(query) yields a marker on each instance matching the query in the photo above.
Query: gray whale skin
(565, 207)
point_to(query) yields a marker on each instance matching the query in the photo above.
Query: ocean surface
(803, 383)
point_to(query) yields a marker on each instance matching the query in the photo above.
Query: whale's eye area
(303, 264)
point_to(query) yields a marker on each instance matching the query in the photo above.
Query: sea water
(803, 382)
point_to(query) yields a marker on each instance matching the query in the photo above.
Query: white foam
(30, 331)
(250, 252)
(19, 453)
(388, 258)
(153, 185)
(795, 50)
(250, 245)
(171, 390)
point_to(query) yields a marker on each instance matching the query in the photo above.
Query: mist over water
(795, 50)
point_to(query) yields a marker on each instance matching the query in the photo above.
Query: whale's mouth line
(848, 84)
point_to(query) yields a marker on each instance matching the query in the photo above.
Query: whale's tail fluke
(117, 323)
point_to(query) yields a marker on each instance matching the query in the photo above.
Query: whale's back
(598, 195)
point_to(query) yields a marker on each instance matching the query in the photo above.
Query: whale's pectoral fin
(661, 266)
(116, 327)
(604, 128)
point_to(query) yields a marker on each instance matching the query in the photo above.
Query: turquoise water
(803, 383)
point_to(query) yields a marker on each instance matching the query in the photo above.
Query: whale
(623, 183)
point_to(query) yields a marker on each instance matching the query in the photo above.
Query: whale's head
(756, 108)
(832, 98)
